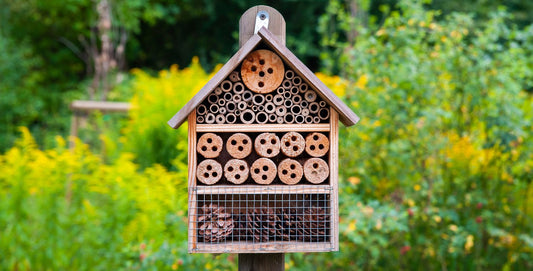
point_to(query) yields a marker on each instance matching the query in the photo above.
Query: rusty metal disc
(262, 71)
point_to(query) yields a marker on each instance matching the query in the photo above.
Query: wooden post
(262, 262)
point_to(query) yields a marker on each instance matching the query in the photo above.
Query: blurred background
(437, 175)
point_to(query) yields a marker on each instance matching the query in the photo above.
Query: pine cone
(312, 225)
(214, 224)
(263, 224)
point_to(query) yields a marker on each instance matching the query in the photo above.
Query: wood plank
(334, 177)
(192, 158)
(276, 23)
(347, 116)
(235, 60)
(261, 189)
(262, 262)
(267, 247)
(320, 127)
(100, 106)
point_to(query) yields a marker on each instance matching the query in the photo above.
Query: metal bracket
(261, 19)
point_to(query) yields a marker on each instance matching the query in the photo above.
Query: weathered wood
(100, 106)
(225, 128)
(276, 23)
(334, 177)
(262, 262)
(261, 189)
(262, 71)
(192, 158)
(347, 116)
(266, 247)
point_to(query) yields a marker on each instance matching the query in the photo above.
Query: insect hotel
(263, 150)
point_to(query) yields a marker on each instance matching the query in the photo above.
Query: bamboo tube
(210, 118)
(220, 119)
(247, 116)
(316, 170)
(296, 109)
(218, 91)
(228, 96)
(316, 119)
(280, 90)
(267, 145)
(269, 97)
(231, 107)
(272, 118)
(323, 113)
(270, 107)
(289, 118)
(237, 98)
(286, 84)
(213, 108)
(226, 85)
(238, 88)
(209, 172)
(287, 103)
(310, 96)
(236, 171)
(254, 108)
(316, 144)
(221, 102)
(200, 119)
(234, 76)
(292, 144)
(308, 119)
(278, 99)
(280, 120)
(296, 81)
(261, 117)
(313, 108)
(322, 103)
(263, 171)
(295, 90)
(290, 171)
(289, 74)
(259, 99)
(201, 110)
(247, 95)
(260, 107)
(281, 110)
(299, 119)
(304, 103)
(305, 112)
(303, 87)
(237, 113)
(231, 118)
(242, 106)
(222, 110)
(296, 99)
(209, 145)
(212, 98)
(239, 145)
(287, 94)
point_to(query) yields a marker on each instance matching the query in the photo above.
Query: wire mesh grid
(233, 219)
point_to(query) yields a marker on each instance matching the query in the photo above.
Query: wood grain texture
(180, 117)
(261, 189)
(347, 116)
(262, 262)
(276, 24)
(266, 247)
(100, 106)
(226, 128)
(334, 177)
(192, 159)
(262, 71)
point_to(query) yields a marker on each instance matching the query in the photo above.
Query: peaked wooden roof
(346, 115)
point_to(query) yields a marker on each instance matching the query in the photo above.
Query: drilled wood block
(209, 172)
(316, 170)
(262, 71)
(292, 144)
(239, 145)
(290, 171)
(316, 144)
(263, 171)
(267, 144)
(209, 145)
(236, 171)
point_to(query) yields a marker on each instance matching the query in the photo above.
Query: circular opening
(321, 146)
(261, 73)
(240, 148)
(273, 141)
(269, 107)
(293, 138)
(245, 141)
(230, 169)
(209, 167)
(312, 147)
(289, 74)
(297, 81)
(261, 84)
(262, 16)
(315, 165)
(295, 148)
(286, 84)
(231, 106)
(213, 99)
(284, 172)
(315, 137)
(206, 175)
(293, 176)
(254, 68)
(262, 61)
(303, 87)
(314, 107)
(237, 176)
(233, 142)
(247, 95)
(241, 167)
(214, 148)
(226, 85)
(297, 99)
(292, 166)
(209, 140)
(238, 88)
(248, 116)
(279, 100)
(262, 141)
(296, 110)
(204, 148)
(215, 174)
(287, 143)
(289, 118)
(269, 151)
(265, 168)
(264, 177)
(262, 117)
(270, 70)
(257, 171)
(230, 118)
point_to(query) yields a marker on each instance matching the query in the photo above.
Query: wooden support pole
(262, 262)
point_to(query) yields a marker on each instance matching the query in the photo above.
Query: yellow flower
(354, 180)
(437, 218)
(379, 224)
(352, 226)
(469, 243)
(411, 22)
(417, 187)
(362, 81)
(380, 32)
(410, 202)
(453, 228)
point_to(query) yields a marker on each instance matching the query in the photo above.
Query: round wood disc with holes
(292, 144)
(236, 171)
(263, 171)
(239, 145)
(290, 171)
(267, 144)
(262, 71)
(316, 170)
(209, 172)
(316, 144)
(209, 145)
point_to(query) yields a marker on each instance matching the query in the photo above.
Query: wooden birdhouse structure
(263, 150)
